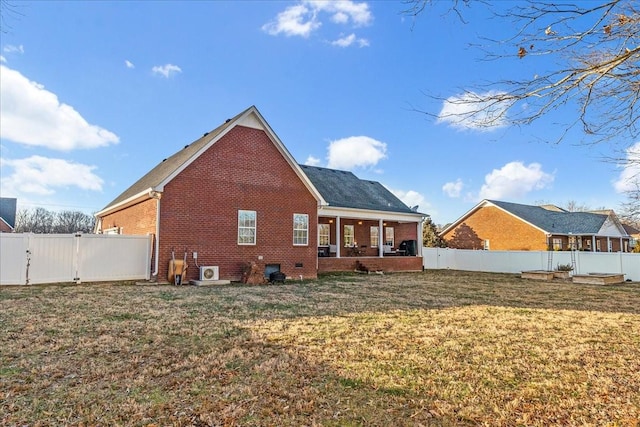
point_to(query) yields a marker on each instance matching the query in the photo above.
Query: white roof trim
(136, 198)
(370, 214)
(8, 225)
(253, 119)
(484, 203)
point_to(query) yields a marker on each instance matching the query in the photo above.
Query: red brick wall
(199, 209)
(504, 231)
(137, 219)
(4, 227)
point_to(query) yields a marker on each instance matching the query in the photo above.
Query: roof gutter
(136, 198)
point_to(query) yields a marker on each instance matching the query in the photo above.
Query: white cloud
(468, 111)
(3, 59)
(166, 70)
(629, 178)
(345, 11)
(129, 64)
(453, 189)
(312, 161)
(297, 20)
(32, 115)
(13, 49)
(349, 40)
(355, 151)
(41, 176)
(303, 18)
(514, 180)
(411, 198)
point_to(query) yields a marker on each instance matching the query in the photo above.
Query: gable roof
(8, 211)
(343, 189)
(550, 220)
(159, 176)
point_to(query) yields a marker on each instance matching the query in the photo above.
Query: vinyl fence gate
(29, 259)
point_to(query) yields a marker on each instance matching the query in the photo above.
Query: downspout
(156, 195)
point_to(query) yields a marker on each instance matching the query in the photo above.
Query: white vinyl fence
(27, 258)
(518, 261)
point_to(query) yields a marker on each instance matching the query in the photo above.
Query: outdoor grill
(277, 276)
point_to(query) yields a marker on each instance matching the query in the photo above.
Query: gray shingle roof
(8, 210)
(169, 165)
(554, 221)
(344, 189)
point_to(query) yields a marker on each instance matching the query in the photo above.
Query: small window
(246, 227)
(375, 238)
(598, 245)
(557, 244)
(486, 245)
(389, 236)
(349, 235)
(323, 235)
(300, 229)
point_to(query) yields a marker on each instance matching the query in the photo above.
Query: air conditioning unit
(209, 273)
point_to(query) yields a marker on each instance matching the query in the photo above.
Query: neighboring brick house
(7, 214)
(497, 225)
(233, 196)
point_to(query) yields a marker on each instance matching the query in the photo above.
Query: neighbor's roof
(344, 189)
(8, 210)
(553, 221)
(549, 218)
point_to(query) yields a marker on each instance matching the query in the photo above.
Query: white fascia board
(370, 214)
(253, 119)
(455, 223)
(287, 156)
(137, 198)
(3, 220)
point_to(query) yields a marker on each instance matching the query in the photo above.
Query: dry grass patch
(439, 348)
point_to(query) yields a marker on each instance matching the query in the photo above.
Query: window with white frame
(598, 245)
(487, 246)
(349, 235)
(375, 237)
(323, 234)
(389, 236)
(246, 227)
(300, 229)
(557, 244)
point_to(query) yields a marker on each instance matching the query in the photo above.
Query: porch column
(608, 244)
(419, 239)
(593, 243)
(621, 248)
(380, 242)
(338, 237)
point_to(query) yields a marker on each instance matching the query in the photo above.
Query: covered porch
(589, 243)
(377, 241)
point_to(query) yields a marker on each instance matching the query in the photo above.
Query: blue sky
(95, 94)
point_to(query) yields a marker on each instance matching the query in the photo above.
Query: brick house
(497, 225)
(234, 196)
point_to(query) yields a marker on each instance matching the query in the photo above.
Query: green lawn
(433, 348)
